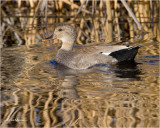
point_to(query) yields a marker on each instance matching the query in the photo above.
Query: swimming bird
(86, 57)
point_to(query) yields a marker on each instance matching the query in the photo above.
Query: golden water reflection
(35, 93)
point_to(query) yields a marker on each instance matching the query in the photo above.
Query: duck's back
(120, 52)
(98, 49)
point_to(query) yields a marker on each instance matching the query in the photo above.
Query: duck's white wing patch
(105, 53)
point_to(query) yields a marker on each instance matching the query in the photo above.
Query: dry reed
(110, 23)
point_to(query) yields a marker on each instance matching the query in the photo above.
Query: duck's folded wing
(83, 61)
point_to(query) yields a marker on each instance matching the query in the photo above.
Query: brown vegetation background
(27, 22)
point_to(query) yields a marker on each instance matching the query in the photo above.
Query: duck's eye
(60, 29)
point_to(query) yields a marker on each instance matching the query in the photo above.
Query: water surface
(36, 92)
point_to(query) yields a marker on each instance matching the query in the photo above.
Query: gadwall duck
(87, 56)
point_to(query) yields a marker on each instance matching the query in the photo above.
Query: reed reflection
(70, 110)
(103, 96)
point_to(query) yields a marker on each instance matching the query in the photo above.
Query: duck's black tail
(127, 54)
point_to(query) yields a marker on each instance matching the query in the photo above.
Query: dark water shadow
(128, 70)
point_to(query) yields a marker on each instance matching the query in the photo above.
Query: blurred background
(35, 92)
(26, 22)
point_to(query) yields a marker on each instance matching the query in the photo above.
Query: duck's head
(64, 32)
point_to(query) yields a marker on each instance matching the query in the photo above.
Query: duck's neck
(67, 46)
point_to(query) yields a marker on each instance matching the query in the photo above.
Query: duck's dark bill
(52, 37)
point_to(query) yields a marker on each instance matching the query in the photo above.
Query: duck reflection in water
(69, 79)
(122, 71)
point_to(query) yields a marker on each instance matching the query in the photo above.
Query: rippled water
(37, 92)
